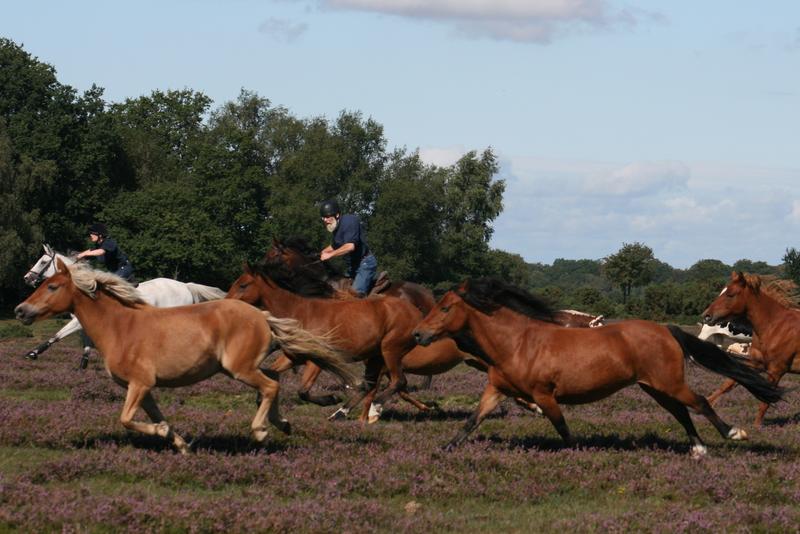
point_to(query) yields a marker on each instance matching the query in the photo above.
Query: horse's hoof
(32, 355)
(259, 435)
(372, 419)
(338, 415)
(450, 447)
(698, 452)
(286, 427)
(737, 434)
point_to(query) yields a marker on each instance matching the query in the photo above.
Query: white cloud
(442, 156)
(536, 21)
(639, 178)
(282, 29)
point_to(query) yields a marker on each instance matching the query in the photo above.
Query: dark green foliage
(632, 266)
(8, 330)
(791, 264)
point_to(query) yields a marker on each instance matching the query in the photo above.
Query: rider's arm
(329, 252)
(91, 252)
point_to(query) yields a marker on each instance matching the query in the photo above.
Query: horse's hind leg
(269, 407)
(139, 395)
(489, 400)
(550, 408)
(310, 375)
(372, 375)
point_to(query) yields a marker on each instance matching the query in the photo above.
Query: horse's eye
(244, 285)
(52, 287)
(445, 309)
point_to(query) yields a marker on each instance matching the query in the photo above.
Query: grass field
(67, 464)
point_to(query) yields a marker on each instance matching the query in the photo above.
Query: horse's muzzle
(422, 338)
(26, 313)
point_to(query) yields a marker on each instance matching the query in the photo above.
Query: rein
(33, 282)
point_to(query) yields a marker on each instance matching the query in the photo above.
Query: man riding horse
(349, 240)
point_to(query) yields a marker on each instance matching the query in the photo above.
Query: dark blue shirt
(113, 257)
(350, 230)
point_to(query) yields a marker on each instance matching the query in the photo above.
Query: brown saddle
(382, 283)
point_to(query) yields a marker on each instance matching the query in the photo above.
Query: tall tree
(630, 267)
(791, 264)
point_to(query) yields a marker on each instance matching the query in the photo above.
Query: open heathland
(67, 464)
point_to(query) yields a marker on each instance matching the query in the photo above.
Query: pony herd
(291, 303)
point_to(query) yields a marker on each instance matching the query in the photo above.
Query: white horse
(719, 334)
(160, 292)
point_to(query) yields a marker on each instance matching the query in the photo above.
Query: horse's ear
(47, 249)
(737, 277)
(61, 267)
(463, 287)
(246, 267)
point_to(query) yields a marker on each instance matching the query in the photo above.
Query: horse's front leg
(139, 395)
(489, 400)
(397, 381)
(310, 375)
(372, 374)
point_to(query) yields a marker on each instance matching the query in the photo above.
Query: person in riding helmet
(349, 240)
(107, 251)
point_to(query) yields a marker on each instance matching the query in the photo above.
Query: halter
(35, 281)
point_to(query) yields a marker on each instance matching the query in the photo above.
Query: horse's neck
(280, 301)
(497, 334)
(762, 312)
(99, 316)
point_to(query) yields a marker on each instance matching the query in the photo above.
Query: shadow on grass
(647, 441)
(226, 443)
(783, 421)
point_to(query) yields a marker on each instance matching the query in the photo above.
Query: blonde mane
(784, 291)
(89, 280)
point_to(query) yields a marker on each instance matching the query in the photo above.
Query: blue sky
(675, 124)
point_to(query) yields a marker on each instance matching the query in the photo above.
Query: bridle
(34, 278)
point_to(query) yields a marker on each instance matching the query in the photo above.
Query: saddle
(382, 283)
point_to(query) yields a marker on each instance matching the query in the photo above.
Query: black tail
(717, 360)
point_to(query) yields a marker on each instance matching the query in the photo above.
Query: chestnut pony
(771, 307)
(376, 330)
(531, 357)
(146, 347)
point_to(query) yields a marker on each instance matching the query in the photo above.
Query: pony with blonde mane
(772, 306)
(146, 347)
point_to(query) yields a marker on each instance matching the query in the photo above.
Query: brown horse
(542, 362)
(293, 259)
(376, 330)
(771, 307)
(146, 347)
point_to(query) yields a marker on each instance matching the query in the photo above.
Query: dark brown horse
(376, 330)
(533, 358)
(146, 347)
(770, 306)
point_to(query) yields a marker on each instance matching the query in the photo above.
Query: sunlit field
(68, 464)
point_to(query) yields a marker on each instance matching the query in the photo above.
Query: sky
(675, 124)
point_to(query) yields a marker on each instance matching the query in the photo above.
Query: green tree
(791, 264)
(632, 266)
(708, 270)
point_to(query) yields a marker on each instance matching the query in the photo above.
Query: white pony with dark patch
(720, 334)
(160, 292)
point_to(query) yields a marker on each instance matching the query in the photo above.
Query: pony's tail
(302, 344)
(717, 360)
(201, 293)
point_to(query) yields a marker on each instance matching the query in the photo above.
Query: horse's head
(246, 287)
(448, 317)
(732, 301)
(52, 297)
(43, 268)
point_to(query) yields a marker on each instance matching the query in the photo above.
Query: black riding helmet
(98, 228)
(329, 208)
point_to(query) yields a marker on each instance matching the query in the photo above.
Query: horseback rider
(107, 251)
(349, 240)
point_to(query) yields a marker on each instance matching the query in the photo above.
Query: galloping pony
(532, 357)
(146, 347)
(159, 292)
(375, 330)
(771, 307)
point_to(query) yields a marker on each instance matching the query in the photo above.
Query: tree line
(191, 190)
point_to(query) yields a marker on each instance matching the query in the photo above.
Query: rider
(349, 240)
(107, 251)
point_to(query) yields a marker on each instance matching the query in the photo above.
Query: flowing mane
(301, 283)
(784, 291)
(299, 245)
(89, 280)
(489, 294)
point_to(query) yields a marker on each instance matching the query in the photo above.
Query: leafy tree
(509, 267)
(630, 267)
(791, 264)
(708, 270)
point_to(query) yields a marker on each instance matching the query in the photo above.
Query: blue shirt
(113, 257)
(349, 230)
